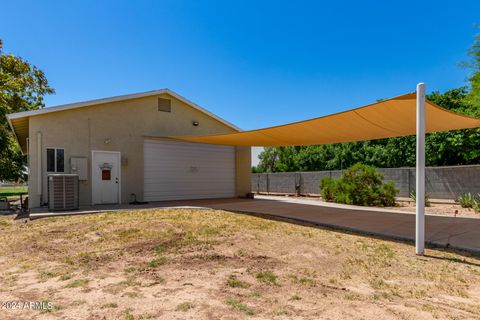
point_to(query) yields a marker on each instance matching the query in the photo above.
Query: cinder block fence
(441, 182)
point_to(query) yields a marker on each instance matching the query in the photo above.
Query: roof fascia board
(83, 104)
(15, 134)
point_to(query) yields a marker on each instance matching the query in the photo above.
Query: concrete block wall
(441, 182)
(404, 179)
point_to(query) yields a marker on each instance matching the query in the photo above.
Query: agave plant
(467, 200)
(476, 204)
(413, 196)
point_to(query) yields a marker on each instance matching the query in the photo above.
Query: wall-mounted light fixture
(195, 123)
(106, 141)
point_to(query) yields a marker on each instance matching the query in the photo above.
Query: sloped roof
(385, 119)
(20, 125)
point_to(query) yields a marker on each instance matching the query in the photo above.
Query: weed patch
(185, 306)
(109, 305)
(157, 262)
(77, 283)
(238, 305)
(234, 282)
(267, 277)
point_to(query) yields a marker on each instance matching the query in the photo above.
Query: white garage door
(183, 170)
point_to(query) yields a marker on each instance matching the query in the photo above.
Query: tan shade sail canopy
(389, 118)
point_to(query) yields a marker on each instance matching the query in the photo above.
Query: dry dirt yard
(206, 264)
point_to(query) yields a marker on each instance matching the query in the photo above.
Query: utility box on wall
(78, 166)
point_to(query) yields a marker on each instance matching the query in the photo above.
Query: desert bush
(329, 188)
(359, 185)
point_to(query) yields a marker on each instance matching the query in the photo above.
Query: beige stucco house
(120, 147)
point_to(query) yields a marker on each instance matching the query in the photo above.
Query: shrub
(359, 185)
(329, 187)
(387, 196)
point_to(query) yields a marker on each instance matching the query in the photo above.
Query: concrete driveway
(454, 232)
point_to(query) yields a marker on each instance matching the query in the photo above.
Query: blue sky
(253, 63)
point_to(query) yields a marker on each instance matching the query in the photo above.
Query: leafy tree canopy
(22, 87)
(475, 75)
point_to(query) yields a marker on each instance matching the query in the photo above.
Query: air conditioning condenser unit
(62, 192)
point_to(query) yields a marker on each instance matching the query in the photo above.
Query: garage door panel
(185, 166)
(182, 192)
(185, 194)
(152, 187)
(167, 197)
(158, 177)
(184, 170)
(183, 158)
(172, 183)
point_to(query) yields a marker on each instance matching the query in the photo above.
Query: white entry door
(105, 177)
(176, 170)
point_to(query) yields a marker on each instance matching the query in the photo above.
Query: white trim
(89, 103)
(119, 172)
(13, 130)
(28, 156)
(39, 167)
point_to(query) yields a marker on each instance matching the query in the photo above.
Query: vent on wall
(164, 105)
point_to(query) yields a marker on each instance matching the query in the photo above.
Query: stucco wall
(243, 172)
(125, 124)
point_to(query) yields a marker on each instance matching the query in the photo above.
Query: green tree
(268, 160)
(475, 76)
(457, 147)
(22, 88)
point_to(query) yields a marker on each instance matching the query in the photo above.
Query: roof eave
(15, 134)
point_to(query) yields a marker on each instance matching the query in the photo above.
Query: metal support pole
(420, 176)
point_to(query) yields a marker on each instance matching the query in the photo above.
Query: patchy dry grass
(234, 282)
(238, 305)
(185, 306)
(217, 265)
(77, 283)
(267, 277)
